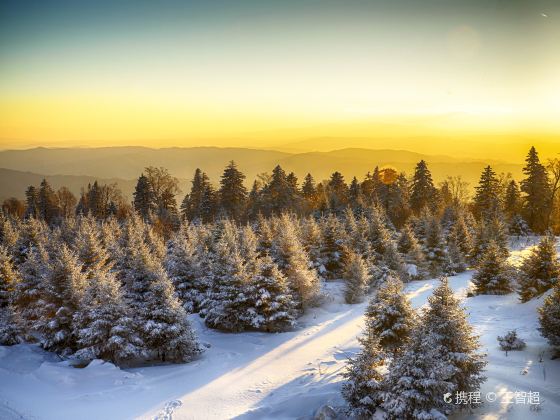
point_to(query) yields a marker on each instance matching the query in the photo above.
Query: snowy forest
(97, 277)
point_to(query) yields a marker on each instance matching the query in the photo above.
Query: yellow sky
(264, 76)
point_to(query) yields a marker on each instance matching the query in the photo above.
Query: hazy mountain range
(76, 167)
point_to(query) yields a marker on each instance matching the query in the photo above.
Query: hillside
(282, 376)
(76, 167)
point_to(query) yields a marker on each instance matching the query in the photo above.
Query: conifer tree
(549, 318)
(423, 192)
(199, 204)
(409, 246)
(337, 192)
(312, 240)
(103, 324)
(333, 246)
(143, 199)
(9, 278)
(233, 194)
(512, 200)
(91, 252)
(227, 302)
(47, 203)
(289, 254)
(487, 198)
(390, 317)
(64, 287)
(492, 230)
(29, 292)
(166, 330)
(536, 190)
(493, 276)
(356, 277)
(447, 322)
(364, 375)
(417, 380)
(436, 252)
(31, 202)
(183, 265)
(540, 270)
(271, 306)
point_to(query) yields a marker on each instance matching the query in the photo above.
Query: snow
(285, 375)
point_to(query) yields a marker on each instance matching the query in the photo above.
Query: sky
(264, 73)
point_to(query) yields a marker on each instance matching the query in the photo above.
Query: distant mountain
(75, 167)
(14, 183)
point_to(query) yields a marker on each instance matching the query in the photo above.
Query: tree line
(529, 205)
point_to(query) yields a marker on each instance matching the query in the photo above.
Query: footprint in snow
(168, 410)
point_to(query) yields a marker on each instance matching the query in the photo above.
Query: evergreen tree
(364, 375)
(423, 192)
(278, 194)
(436, 252)
(227, 302)
(91, 252)
(512, 200)
(64, 287)
(536, 189)
(417, 380)
(333, 246)
(337, 192)
(31, 202)
(233, 194)
(390, 317)
(29, 292)
(356, 277)
(540, 270)
(447, 322)
(166, 331)
(289, 254)
(143, 199)
(409, 246)
(493, 274)
(199, 204)
(309, 194)
(271, 306)
(488, 231)
(487, 198)
(9, 278)
(47, 203)
(312, 240)
(549, 318)
(184, 268)
(103, 324)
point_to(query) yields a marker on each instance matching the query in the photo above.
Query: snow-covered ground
(287, 375)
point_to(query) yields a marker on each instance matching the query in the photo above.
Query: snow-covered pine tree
(332, 252)
(364, 377)
(166, 330)
(417, 380)
(312, 240)
(9, 278)
(271, 306)
(436, 252)
(549, 318)
(390, 317)
(103, 324)
(447, 322)
(540, 270)
(64, 287)
(290, 256)
(88, 245)
(414, 256)
(460, 234)
(183, 266)
(494, 274)
(227, 301)
(31, 234)
(457, 260)
(356, 277)
(9, 234)
(487, 231)
(29, 292)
